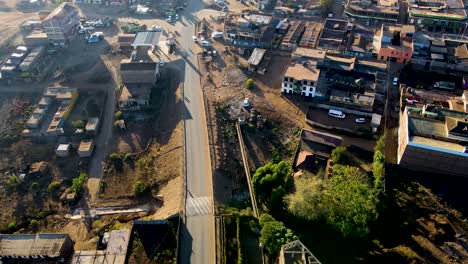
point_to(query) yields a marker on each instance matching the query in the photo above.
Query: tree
(79, 183)
(13, 182)
(78, 124)
(118, 115)
(270, 177)
(274, 234)
(249, 84)
(308, 200)
(378, 169)
(346, 201)
(339, 156)
(33, 223)
(53, 187)
(351, 203)
(139, 188)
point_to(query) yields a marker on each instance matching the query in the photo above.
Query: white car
(206, 43)
(162, 63)
(219, 2)
(156, 28)
(195, 39)
(343, 3)
(395, 81)
(217, 34)
(246, 102)
(360, 120)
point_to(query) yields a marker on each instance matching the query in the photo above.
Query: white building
(301, 78)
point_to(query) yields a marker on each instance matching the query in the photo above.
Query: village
(172, 131)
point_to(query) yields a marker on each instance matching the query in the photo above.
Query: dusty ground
(160, 165)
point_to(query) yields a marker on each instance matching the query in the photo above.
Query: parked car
(343, 3)
(156, 28)
(195, 39)
(206, 43)
(217, 34)
(360, 120)
(395, 81)
(162, 63)
(336, 113)
(246, 102)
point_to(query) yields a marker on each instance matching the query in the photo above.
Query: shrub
(53, 187)
(115, 157)
(249, 84)
(116, 123)
(339, 156)
(78, 124)
(12, 226)
(34, 223)
(79, 183)
(13, 182)
(118, 115)
(139, 188)
(128, 157)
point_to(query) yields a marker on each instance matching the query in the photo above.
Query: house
(258, 61)
(360, 43)
(262, 4)
(335, 35)
(314, 150)
(434, 139)
(63, 150)
(92, 125)
(61, 25)
(394, 43)
(248, 29)
(66, 97)
(36, 38)
(301, 33)
(85, 150)
(363, 101)
(39, 168)
(301, 78)
(95, 2)
(116, 243)
(437, 15)
(35, 248)
(307, 54)
(134, 96)
(32, 62)
(135, 72)
(146, 39)
(378, 11)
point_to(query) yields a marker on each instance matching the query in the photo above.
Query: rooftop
(300, 72)
(85, 145)
(61, 11)
(309, 53)
(438, 9)
(146, 39)
(257, 56)
(33, 245)
(440, 144)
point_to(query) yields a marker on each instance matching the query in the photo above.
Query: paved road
(198, 244)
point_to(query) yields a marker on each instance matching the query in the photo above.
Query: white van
(336, 113)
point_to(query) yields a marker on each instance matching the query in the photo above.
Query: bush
(13, 182)
(115, 157)
(274, 234)
(78, 124)
(116, 123)
(249, 84)
(12, 226)
(339, 156)
(53, 187)
(79, 183)
(140, 188)
(118, 115)
(128, 157)
(34, 223)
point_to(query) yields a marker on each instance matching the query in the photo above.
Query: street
(198, 243)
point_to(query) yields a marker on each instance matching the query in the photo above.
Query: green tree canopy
(346, 200)
(340, 156)
(269, 177)
(78, 124)
(139, 188)
(274, 234)
(79, 183)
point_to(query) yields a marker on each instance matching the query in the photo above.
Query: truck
(132, 28)
(444, 85)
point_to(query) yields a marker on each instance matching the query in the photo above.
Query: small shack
(38, 169)
(85, 150)
(63, 150)
(92, 125)
(258, 61)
